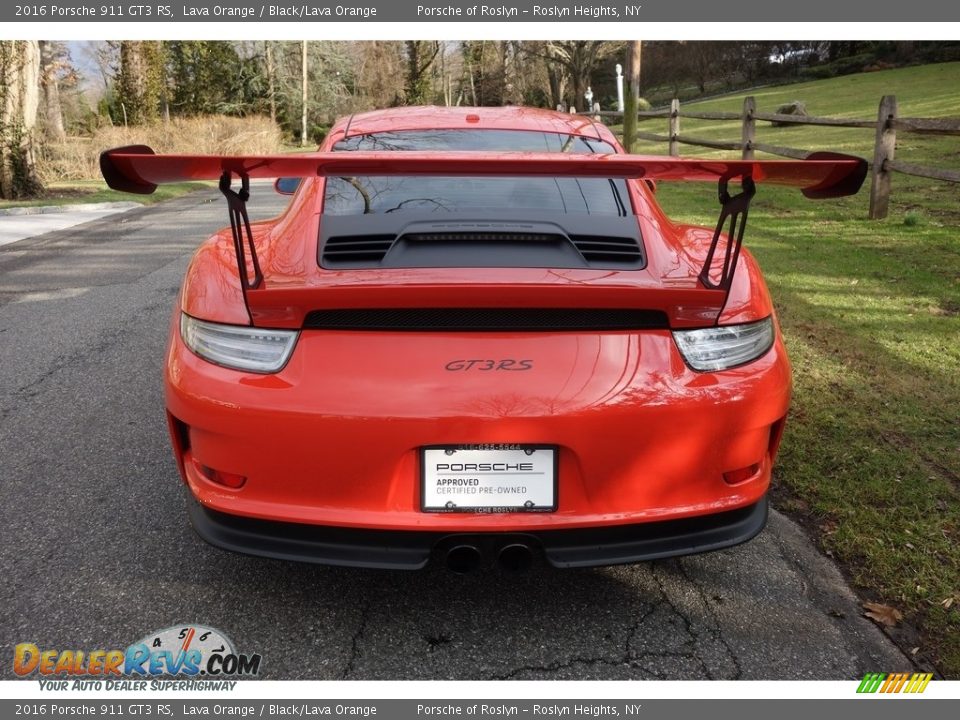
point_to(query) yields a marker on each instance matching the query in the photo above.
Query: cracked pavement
(96, 549)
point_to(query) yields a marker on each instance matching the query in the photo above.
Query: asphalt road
(96, 551)
(24, 222)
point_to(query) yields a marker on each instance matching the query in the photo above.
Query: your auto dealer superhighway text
(537, 11)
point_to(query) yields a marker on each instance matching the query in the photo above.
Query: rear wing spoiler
(137, 169)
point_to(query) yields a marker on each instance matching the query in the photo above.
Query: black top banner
(511, 11)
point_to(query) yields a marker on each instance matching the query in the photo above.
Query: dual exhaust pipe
(513, 558)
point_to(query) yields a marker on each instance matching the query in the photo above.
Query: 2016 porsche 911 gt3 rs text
(474, 334)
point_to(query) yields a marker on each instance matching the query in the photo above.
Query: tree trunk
(579, 90)
(445, 79)
(52, 112)
(557, 85)
(303, 95)
(580, 69)
(132, 82)
(165, 91)
(140, 82)
(413, 85)
(271, 88)
(632, 95)
(420, 57)
(19, 102)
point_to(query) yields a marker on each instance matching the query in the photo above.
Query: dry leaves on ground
(883, 614)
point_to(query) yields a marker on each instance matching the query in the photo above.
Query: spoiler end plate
(117, 180)
(841, 182)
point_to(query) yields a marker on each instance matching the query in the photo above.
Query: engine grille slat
(489, 237)
(604, 249)
(357, 248)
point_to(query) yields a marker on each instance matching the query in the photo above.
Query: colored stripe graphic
(925, 680)
(871, 682)
(889, 682)
(894, 683)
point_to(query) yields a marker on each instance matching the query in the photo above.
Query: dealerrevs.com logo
(182, 651)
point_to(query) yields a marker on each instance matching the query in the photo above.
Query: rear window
(378, 195)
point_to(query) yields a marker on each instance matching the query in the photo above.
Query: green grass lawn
(871, 313)
(94, 191)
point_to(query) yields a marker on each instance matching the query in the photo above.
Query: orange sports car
(474, 336)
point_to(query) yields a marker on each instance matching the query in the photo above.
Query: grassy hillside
(924, 91)
(871, 313)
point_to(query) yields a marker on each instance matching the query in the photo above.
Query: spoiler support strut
(733, 208)
(240, 229)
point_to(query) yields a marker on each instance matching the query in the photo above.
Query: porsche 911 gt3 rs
(473, 335)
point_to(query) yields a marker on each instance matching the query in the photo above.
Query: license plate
(489, 478)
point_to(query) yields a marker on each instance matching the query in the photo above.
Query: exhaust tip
(463, 559)
(516, 558)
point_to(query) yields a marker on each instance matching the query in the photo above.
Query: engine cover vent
(608, 249)
(531, 239)
(352, 249)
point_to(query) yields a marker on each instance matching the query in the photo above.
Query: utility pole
(303, 96)
(630, 102)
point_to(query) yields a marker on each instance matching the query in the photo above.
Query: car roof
(432, 117)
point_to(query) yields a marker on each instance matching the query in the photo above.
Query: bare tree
(548, 54)
(51, 64)
(572, 61)
(104, 56)
(380, 73)
(19, 102)
(491, 73)
(420, 57)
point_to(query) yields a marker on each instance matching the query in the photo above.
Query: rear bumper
(412, 550)
(334, 440)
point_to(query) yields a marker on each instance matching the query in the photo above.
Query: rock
(797, 107)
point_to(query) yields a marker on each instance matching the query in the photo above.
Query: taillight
(239, 347)
(725, 346)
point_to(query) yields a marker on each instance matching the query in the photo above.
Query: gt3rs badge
(489, 365)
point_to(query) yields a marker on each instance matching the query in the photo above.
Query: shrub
(79, 158)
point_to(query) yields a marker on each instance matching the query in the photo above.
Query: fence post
(883, 150)
(596, 110)
(674, 129)
(749, 127)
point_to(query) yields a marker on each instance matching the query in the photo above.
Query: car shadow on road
(339, 623)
